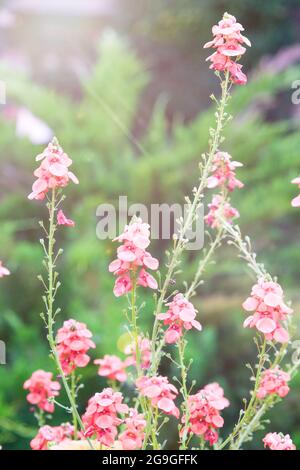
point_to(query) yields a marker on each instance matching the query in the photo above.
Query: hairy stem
(181, 242)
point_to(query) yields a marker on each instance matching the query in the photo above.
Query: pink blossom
(51, 435)
(296, 200)
(228, 44)
(276, 441)
(63, 220)
(144, 345)
(204, 412)
(112, 367)
(133, 436)
(273, 382)
(3, 270)
(132, 257)
(53, 171)
(266, 301)
(180, 315)
(146, 280)
(223, 172)
(41, 387)
(123, 285)
(220, 208)
(73, 342)
(160, 392)
(101, 418)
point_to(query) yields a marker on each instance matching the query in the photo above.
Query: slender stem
(251, 408)
(51, 290)
(203, 264)
(180, 244)
(135, 330)
(155, 444)
(73, 392)
(185, 394)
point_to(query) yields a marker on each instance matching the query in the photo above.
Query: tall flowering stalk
(109, 421)
(52, 175)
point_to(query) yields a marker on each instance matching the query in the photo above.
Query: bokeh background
(125, 87)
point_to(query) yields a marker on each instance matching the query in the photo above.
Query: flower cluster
(296, 200)
(3, 270)
(266, 301)
(273, 382)
(51, 435)
(275, 441)
(132, 437)
(204, 412)
(180, 315)
(144, 345)
(219, 207)
(73, 342)
(53, 171)
(132, 257)
(223, 172)
(160, 392)
(228, 46)
(101, 418)
(41, 387)
(112, 367)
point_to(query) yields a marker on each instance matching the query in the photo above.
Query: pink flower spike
(179, 317)
(204, 412)
(63, 220)
(228, 45)
(41, 387)
(73, 342)
(267, 303)
(275, 441)
(53, 171)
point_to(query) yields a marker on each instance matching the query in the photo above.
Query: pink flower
(204, 412)
(181, 315)
(49, 435)
(41, 387)
(273, 382)
(227, 43)
(276, 441)
(53, 171)
(223, 172)
(62, 219)
(3, 270)
(145, 353)
(101, 418)
(73, 342)
(123, 285)
(160, 392)
(266, 301)
(133, 436)
(112, 367)
(296, 200)
(220, 208)
(146, 280)
(133, 257)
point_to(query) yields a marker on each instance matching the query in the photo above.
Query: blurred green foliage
(160, 167)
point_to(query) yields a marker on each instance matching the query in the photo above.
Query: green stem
(180, 244)
(73, 392)
(50, 301)
(250, 412)
(185, 394)
(135, 330)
